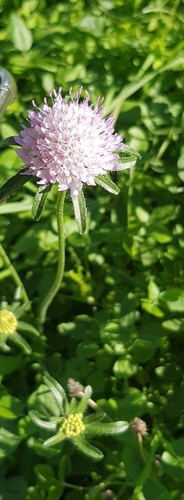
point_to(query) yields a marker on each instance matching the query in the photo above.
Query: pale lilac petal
(69, 143)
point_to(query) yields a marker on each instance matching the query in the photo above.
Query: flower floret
(69, 143)
(73, 425)
(8, 322)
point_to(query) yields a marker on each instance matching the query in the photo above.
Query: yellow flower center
(8, 322)
(73, 425)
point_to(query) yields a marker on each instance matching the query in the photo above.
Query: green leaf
(40, 449)
(64, 467)
(15, 488)
(13, 185)
(44, 401)
(16, 207)
(40, 201)
(107, 184)
(56, 389)
(21, 35)
(10, 141)
(174, 325)
(84, 400)
(124, 368)
(106, 428)
(155, 489)
(173, 299)
(9, 364)
(87, 448)
(8, 442)
(80, 211)
(28, 329)
(45, 476)
(55, 491)
(21, 343)
(38, 420)
(10, 407)
(57, 438)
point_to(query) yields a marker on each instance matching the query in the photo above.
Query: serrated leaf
(40, 201)
(21, 35)
(107, 184)
(87, 448)
(80, 211)
(13, 185)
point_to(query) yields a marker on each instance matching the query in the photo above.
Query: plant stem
(15, 276)
(61, 260)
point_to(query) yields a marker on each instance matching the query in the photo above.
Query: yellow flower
(8, 322)
(73, 425)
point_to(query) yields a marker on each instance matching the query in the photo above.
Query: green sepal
(107, 184)
(106, 428)
(10, 141)
(38, 420)
(80, 211)
(57, 438)
(128, 152)
(40, 201)
(87, 448)
(127, 157)
(13, 185)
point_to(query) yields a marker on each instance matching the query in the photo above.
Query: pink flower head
(69, 143)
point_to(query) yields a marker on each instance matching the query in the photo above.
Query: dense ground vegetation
(117, 322)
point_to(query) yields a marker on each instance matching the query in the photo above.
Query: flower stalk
(61, 260)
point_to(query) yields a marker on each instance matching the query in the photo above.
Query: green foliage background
(117, 322)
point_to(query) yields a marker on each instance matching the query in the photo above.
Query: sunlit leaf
(38, 420)
(87, 448)
(106, 428)
(21, 35)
